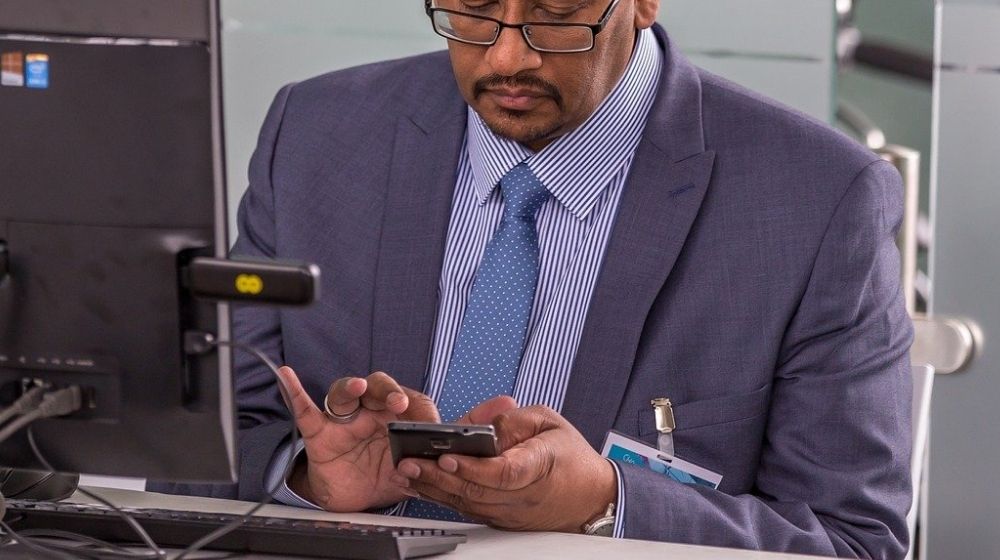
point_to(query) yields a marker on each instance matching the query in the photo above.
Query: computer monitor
(111, 181)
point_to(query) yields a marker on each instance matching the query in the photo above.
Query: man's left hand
(546, 478)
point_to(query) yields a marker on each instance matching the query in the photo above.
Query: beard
(511, 124)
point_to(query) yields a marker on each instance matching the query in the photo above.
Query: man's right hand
(348, 465)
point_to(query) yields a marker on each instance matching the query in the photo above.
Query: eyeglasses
(540, 36)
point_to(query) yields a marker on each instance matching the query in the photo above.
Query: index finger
(308, 417)
(487, 411)
(384, 393)
(345, 393)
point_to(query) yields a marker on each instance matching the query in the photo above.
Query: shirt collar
(577, 167)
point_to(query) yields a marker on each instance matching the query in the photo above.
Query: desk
(484, 543)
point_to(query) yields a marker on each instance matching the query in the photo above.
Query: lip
(518, 99)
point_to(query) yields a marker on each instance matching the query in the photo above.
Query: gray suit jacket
(751, 277)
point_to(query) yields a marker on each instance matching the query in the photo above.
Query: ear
(646, 12)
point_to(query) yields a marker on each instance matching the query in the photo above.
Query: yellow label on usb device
(249, 284)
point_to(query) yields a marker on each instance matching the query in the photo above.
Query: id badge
(621, 448)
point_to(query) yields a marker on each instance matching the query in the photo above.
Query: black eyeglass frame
(594, 28)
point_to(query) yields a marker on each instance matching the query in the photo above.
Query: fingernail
(282, 372)
(283, 387)
(399, 481)
(409, 492)
(409, 470)
(394, 398)
(448, 464)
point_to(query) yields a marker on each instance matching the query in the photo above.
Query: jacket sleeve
(263, 420)
(834, 475)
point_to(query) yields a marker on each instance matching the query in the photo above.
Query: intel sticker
(36, 71)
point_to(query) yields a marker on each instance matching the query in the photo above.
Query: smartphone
(425, 440)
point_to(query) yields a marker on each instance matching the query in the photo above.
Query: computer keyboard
(262, 535)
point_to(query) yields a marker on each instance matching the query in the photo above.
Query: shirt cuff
(396, 510)
(619, 530)
(279, 464)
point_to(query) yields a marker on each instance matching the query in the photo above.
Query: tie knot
(523, 193)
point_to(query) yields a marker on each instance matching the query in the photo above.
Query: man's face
(533, 97)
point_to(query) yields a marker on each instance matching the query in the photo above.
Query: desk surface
(484, 543)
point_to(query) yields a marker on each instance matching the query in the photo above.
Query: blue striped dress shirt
(585, 171)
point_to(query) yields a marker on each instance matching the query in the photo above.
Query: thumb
(517, 426)
(486, 411)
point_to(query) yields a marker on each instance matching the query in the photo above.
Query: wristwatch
(603, 526)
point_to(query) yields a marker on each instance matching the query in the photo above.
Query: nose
(511, 53)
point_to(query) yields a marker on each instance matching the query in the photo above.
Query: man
(576, 217)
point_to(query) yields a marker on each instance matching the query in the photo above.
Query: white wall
(269, 43)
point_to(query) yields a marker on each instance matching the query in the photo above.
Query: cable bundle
(42, 402)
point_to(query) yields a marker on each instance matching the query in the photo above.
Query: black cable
(235, 524)
(44, 551)
(87, 546)
(78, 546)
(154, 550)
(60, 403)
(83, 545)
(51, 404)
(104, 548)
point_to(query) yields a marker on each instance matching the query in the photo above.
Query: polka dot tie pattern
(487, 353)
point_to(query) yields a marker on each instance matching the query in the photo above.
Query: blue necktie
(487, 353)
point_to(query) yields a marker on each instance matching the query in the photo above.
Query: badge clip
(665, 424)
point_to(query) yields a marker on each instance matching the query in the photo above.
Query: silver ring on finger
(340, 418)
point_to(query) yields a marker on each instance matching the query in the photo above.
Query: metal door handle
(907, 161)
(947, 343)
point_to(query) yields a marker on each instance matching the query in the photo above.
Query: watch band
(603, 526)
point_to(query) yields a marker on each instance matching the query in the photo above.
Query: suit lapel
(669, 177)
(411, 250)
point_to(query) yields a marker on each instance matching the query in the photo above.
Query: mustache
(527, 81)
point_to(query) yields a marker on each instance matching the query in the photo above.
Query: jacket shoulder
(355, 112)
(387, 79)
(374, 93)
(738, 119)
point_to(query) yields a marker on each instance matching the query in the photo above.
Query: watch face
(603, 527)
